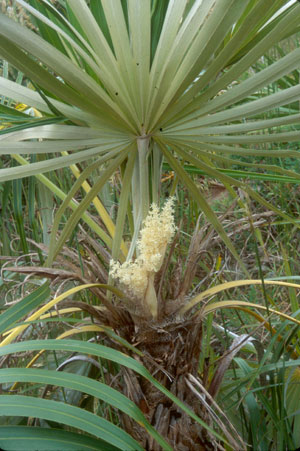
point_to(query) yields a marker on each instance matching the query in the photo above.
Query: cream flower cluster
(132, 275)
(158, 229)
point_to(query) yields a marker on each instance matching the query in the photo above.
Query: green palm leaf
(82, 384)
(70, 415)
(103, 352)
(48, 439)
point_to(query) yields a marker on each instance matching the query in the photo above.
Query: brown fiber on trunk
(171, 352)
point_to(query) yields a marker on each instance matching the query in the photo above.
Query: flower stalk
(137, 277)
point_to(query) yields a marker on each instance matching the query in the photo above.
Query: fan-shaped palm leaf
(156, 76)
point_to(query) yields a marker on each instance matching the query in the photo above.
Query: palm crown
(133, 83)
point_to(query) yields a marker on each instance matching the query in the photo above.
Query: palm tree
(129, 85)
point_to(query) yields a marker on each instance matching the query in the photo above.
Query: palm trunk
(171, 352)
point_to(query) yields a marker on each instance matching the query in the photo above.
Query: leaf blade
(48, 439)
(19, 405)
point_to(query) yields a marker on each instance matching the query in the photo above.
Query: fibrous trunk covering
(171, 352)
